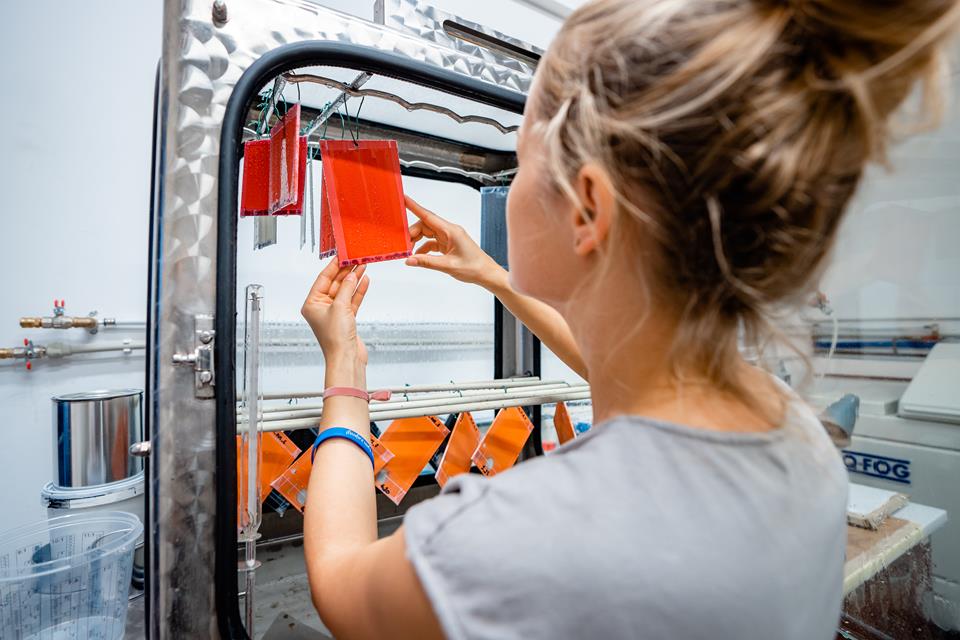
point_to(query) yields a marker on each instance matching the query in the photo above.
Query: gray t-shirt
(644, 529)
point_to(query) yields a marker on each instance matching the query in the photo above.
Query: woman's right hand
(456, 253)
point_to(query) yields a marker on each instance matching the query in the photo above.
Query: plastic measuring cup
(67, 577)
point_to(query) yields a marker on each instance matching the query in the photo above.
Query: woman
(684, 165)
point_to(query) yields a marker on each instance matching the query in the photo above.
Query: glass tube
(248, 461)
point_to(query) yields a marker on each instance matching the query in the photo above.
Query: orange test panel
(503, 441)
(362, 187)
(562, 424)
(412, 441)
(381, 455)
(464, 440)
(292, 484)
(276, 454)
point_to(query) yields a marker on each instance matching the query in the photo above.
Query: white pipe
(421, 401)
(394, 414)
(62, 349)
(436, 403)
(424, 388)
(434, 395)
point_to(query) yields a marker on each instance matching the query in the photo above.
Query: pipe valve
(59, 320)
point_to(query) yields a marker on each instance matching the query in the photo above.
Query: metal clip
(201, 358)
(141, 449)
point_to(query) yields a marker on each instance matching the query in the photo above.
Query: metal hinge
(201, 359)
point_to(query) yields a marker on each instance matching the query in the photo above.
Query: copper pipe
(59, 322)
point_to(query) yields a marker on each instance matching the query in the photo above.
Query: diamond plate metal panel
(427, 22)
(201, 65)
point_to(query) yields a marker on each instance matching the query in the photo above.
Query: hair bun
(884, 26)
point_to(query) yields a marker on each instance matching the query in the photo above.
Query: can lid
(81, 497)
(100, 394)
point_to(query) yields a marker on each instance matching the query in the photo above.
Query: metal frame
(210, 72)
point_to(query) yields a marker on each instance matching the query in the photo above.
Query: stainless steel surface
(429, 23)
(93, 432)
(201, 64)
(264, 231)
(201, 358)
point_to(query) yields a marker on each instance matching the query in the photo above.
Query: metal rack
(421, 155)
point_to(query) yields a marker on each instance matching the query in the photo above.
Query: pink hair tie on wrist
(353, 392)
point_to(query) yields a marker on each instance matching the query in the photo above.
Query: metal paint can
(93, 432)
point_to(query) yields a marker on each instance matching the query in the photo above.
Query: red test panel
(365, 195)
(284, 160)
(328, 244)
(254, 195)
(255, 192)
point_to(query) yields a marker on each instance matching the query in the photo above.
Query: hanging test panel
(233, 378)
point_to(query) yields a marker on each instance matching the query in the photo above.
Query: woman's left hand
(331, 311)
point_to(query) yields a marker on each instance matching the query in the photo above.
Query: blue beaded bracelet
(345, 434)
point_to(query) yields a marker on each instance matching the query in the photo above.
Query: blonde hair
(736, 132)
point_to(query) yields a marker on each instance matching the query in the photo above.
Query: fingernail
(412, 262)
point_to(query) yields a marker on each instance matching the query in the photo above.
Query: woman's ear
(591, 222)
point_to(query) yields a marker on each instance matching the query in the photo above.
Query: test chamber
(217, 58)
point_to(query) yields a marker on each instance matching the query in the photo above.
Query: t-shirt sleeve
(461, 546)
(433, 530)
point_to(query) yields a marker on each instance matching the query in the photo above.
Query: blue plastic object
(345, 434)
(493, 223)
